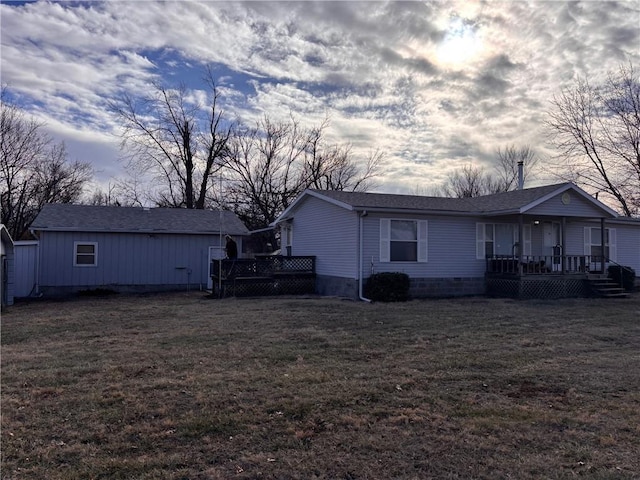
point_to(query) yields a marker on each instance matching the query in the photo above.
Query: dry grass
(183, 387)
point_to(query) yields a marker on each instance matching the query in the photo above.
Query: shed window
(85, 254)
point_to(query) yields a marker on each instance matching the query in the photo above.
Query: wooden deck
(269, 275)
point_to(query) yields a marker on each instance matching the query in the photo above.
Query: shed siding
(451, 248)
(126, 259)
(330, 233)
(578, 207)
(26, 261)
(7, 296)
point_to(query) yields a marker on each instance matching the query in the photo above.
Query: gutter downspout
(360, 259)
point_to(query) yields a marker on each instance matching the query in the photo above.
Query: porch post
(602, 244)
(520, 242)
(563, 234)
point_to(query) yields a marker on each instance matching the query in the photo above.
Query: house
(7, 267)
(460, 246)
(131, 249)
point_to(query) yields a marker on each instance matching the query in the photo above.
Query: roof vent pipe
(520, 175)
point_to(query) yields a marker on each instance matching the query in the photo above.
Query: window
(85, 254)
(286, 239)
(500, 239)
(403, 240)
(593, 243)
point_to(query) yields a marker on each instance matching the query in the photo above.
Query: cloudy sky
(436, 85)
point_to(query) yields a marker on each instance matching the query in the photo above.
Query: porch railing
(544, 264)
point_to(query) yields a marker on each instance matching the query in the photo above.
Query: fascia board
(287, 211)
(448, 213)
(146, 231)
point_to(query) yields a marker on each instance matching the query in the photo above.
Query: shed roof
(89, 218)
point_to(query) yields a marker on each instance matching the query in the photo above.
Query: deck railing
(264, 275)
(543, 264)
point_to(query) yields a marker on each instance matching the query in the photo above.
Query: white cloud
(434, 84)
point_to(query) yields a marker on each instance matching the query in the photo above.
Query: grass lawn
(180, 386)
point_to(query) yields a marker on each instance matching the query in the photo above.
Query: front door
(552, 245)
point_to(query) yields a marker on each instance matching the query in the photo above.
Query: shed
(129, 249)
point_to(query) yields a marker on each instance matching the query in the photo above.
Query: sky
(435, 85)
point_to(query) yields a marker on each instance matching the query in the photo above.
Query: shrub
(387, 287)
(628, 276)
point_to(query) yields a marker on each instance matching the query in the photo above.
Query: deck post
(563, 239)
(520, 243)
(603, 237)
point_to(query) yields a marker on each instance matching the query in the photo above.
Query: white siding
(330, 233)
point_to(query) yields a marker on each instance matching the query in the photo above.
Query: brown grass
(180, 386)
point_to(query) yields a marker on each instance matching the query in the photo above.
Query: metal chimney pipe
(520, 174)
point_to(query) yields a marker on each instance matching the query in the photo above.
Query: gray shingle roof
(88, 218)
(508, 201)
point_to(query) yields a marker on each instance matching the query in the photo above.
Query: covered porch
(547, 256)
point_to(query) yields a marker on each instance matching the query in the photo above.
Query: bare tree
(176, 140)
(33, 170)
(331, 167)
(473, 181)
(506, 171)
(468, 181)
(271, 163)
(596, 129)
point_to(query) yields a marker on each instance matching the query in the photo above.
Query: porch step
(606, 288)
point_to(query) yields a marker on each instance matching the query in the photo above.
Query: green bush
(387, 287)
(628, 276)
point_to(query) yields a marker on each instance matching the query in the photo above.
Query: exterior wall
(451, 246)
(125, 261)
(451, 269)
(330, 233)
(577, 207)
(447, 287)
(336, 286)
(7, 274)
(627, 241)
(628, 245)
(26, 268)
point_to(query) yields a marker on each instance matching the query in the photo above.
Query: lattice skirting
(532, 287)
(280, 286)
